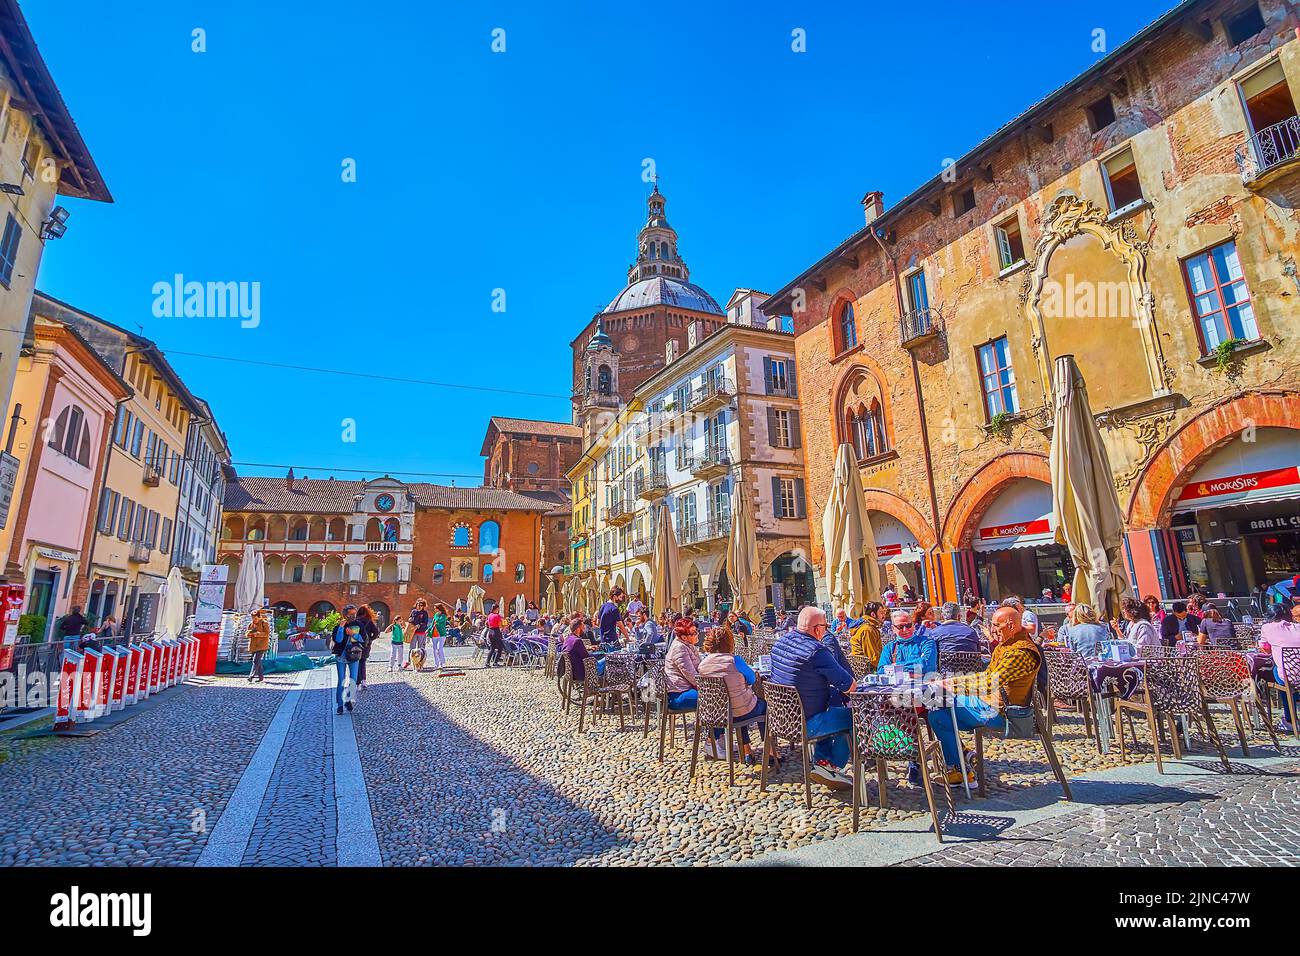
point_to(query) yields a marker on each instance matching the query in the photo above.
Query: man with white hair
(800, 660)
(951, 633)
(919, 655)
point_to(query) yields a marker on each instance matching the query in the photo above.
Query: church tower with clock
(658, 305)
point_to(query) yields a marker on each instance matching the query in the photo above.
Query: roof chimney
(873, 204)
(288, 479)
(672, 351)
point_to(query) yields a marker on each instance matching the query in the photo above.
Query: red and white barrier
(84, 708)
(131, 694)
(94, 683)
(155, 668)
(117, 698)
(69, 688)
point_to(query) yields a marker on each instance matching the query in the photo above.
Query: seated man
(865, 639)
(576, 650)
(799, 659)
(1010, 676)
(920, 655)
(950, 634)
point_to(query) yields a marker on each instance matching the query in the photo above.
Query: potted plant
(1001, 425)
(1223, 354)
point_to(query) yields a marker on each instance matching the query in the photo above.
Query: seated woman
(1214, 626)
(1140, 630)
(1086, 633)
(682, 666)
(1282, 631)
(720, 660)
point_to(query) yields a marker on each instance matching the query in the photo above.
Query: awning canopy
(1246, 472)
(1020, 517)
(894, 543)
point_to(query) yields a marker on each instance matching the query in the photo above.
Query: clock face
(384, 502)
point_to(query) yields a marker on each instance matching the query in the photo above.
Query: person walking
(259, 642)
(72, 624)
(395, 657)
(347, 646)
(496, 642)
(369, 632)
(419, 621)
(438, 633)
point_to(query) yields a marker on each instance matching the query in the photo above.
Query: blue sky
(478, 171)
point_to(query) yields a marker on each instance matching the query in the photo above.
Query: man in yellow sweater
(1008, 680)
(864, 639)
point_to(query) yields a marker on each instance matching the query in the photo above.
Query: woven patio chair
(1169, 689)
(1040, 731)
(714, 713)
(1225, 679)
(960, 662)
(1155, 652)
(1068, 681)
(787, 721)
(1290, 686)
(668, 718)
(861, 666)
(884, 732)
(616, 684)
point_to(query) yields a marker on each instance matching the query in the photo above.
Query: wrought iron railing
(1271, 147)
(918, 324)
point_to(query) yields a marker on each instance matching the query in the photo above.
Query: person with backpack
(369, 632)
(419, 620)
(347, 647)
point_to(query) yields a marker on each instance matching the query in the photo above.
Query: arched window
(437, 573)
(519, 574)
(71, 435)
(847, 327)
(866, 430)
(392, 528)
(487, 573)
(460, 536)
(489, 537)
(604, 380)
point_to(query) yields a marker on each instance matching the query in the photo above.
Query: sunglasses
(904, 627)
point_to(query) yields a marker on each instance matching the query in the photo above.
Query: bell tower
(600, 399)
(657, 245)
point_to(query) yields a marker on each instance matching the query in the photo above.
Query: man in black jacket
(1177, 622)
(72, 624)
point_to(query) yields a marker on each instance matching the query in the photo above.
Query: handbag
(1020, 723)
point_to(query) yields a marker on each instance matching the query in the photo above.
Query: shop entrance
(1015, 545)
(792, 584)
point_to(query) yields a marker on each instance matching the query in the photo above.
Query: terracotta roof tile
(330, 496)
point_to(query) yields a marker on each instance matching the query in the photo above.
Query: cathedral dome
(662, 290)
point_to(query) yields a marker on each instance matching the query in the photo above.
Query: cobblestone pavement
(298, 825)
(136, 793)
(1246, 819)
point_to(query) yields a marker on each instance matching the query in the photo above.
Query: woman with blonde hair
(720, 660)
(1086, 632)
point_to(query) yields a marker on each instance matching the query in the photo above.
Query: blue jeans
(344, 667)
(760, 708)
(600, 666)
(972, 712)
(834, 720)
(684, 699)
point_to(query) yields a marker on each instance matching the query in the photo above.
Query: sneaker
(830, 777)
(914, 774)
(953, 777)
(340, 710)
(348, 705)
(1284, 726)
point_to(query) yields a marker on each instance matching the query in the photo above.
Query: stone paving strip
(486, 769)
(1243, 819)
(146, 792)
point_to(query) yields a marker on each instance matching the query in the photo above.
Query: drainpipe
(920, 403)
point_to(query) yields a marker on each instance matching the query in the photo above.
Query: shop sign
(1188, 535)
(1241, 484)
(8, 479)
(1286, 522)
(1000, 531)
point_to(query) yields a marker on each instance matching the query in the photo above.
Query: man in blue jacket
(920, 655)
(799, 659)
(951, 634)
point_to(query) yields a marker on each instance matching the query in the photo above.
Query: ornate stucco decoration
(1070, 216)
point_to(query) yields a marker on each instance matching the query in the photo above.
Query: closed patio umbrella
(1085, 505)
(666, 581)
(742, 556)
(550, 602)
(474, 601)
(171, 607)
(521, 605)
(250, 586)
(852, 574)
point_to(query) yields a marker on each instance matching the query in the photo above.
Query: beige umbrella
(171, 606)
(852, 573)
(1085, 506)
(475, 600)
(666, 581)
(551, 602)
(521, 605)
(742, 556)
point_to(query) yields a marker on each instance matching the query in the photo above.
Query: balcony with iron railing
(643, 545)
(715, 461)
(704, 532)
(619, 514)
(919, 326)
(139, 552)
(153, 473)
(654, 485)
(1271, 153)
(714, 393)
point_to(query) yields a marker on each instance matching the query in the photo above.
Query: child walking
(398, 654)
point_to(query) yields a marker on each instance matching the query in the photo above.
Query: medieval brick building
(1141, 218)
(381, 542)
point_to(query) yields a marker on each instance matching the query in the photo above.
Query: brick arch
(861, 364)
(842, 296)
(903, 511)
(1169, 469)
(982, 487)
